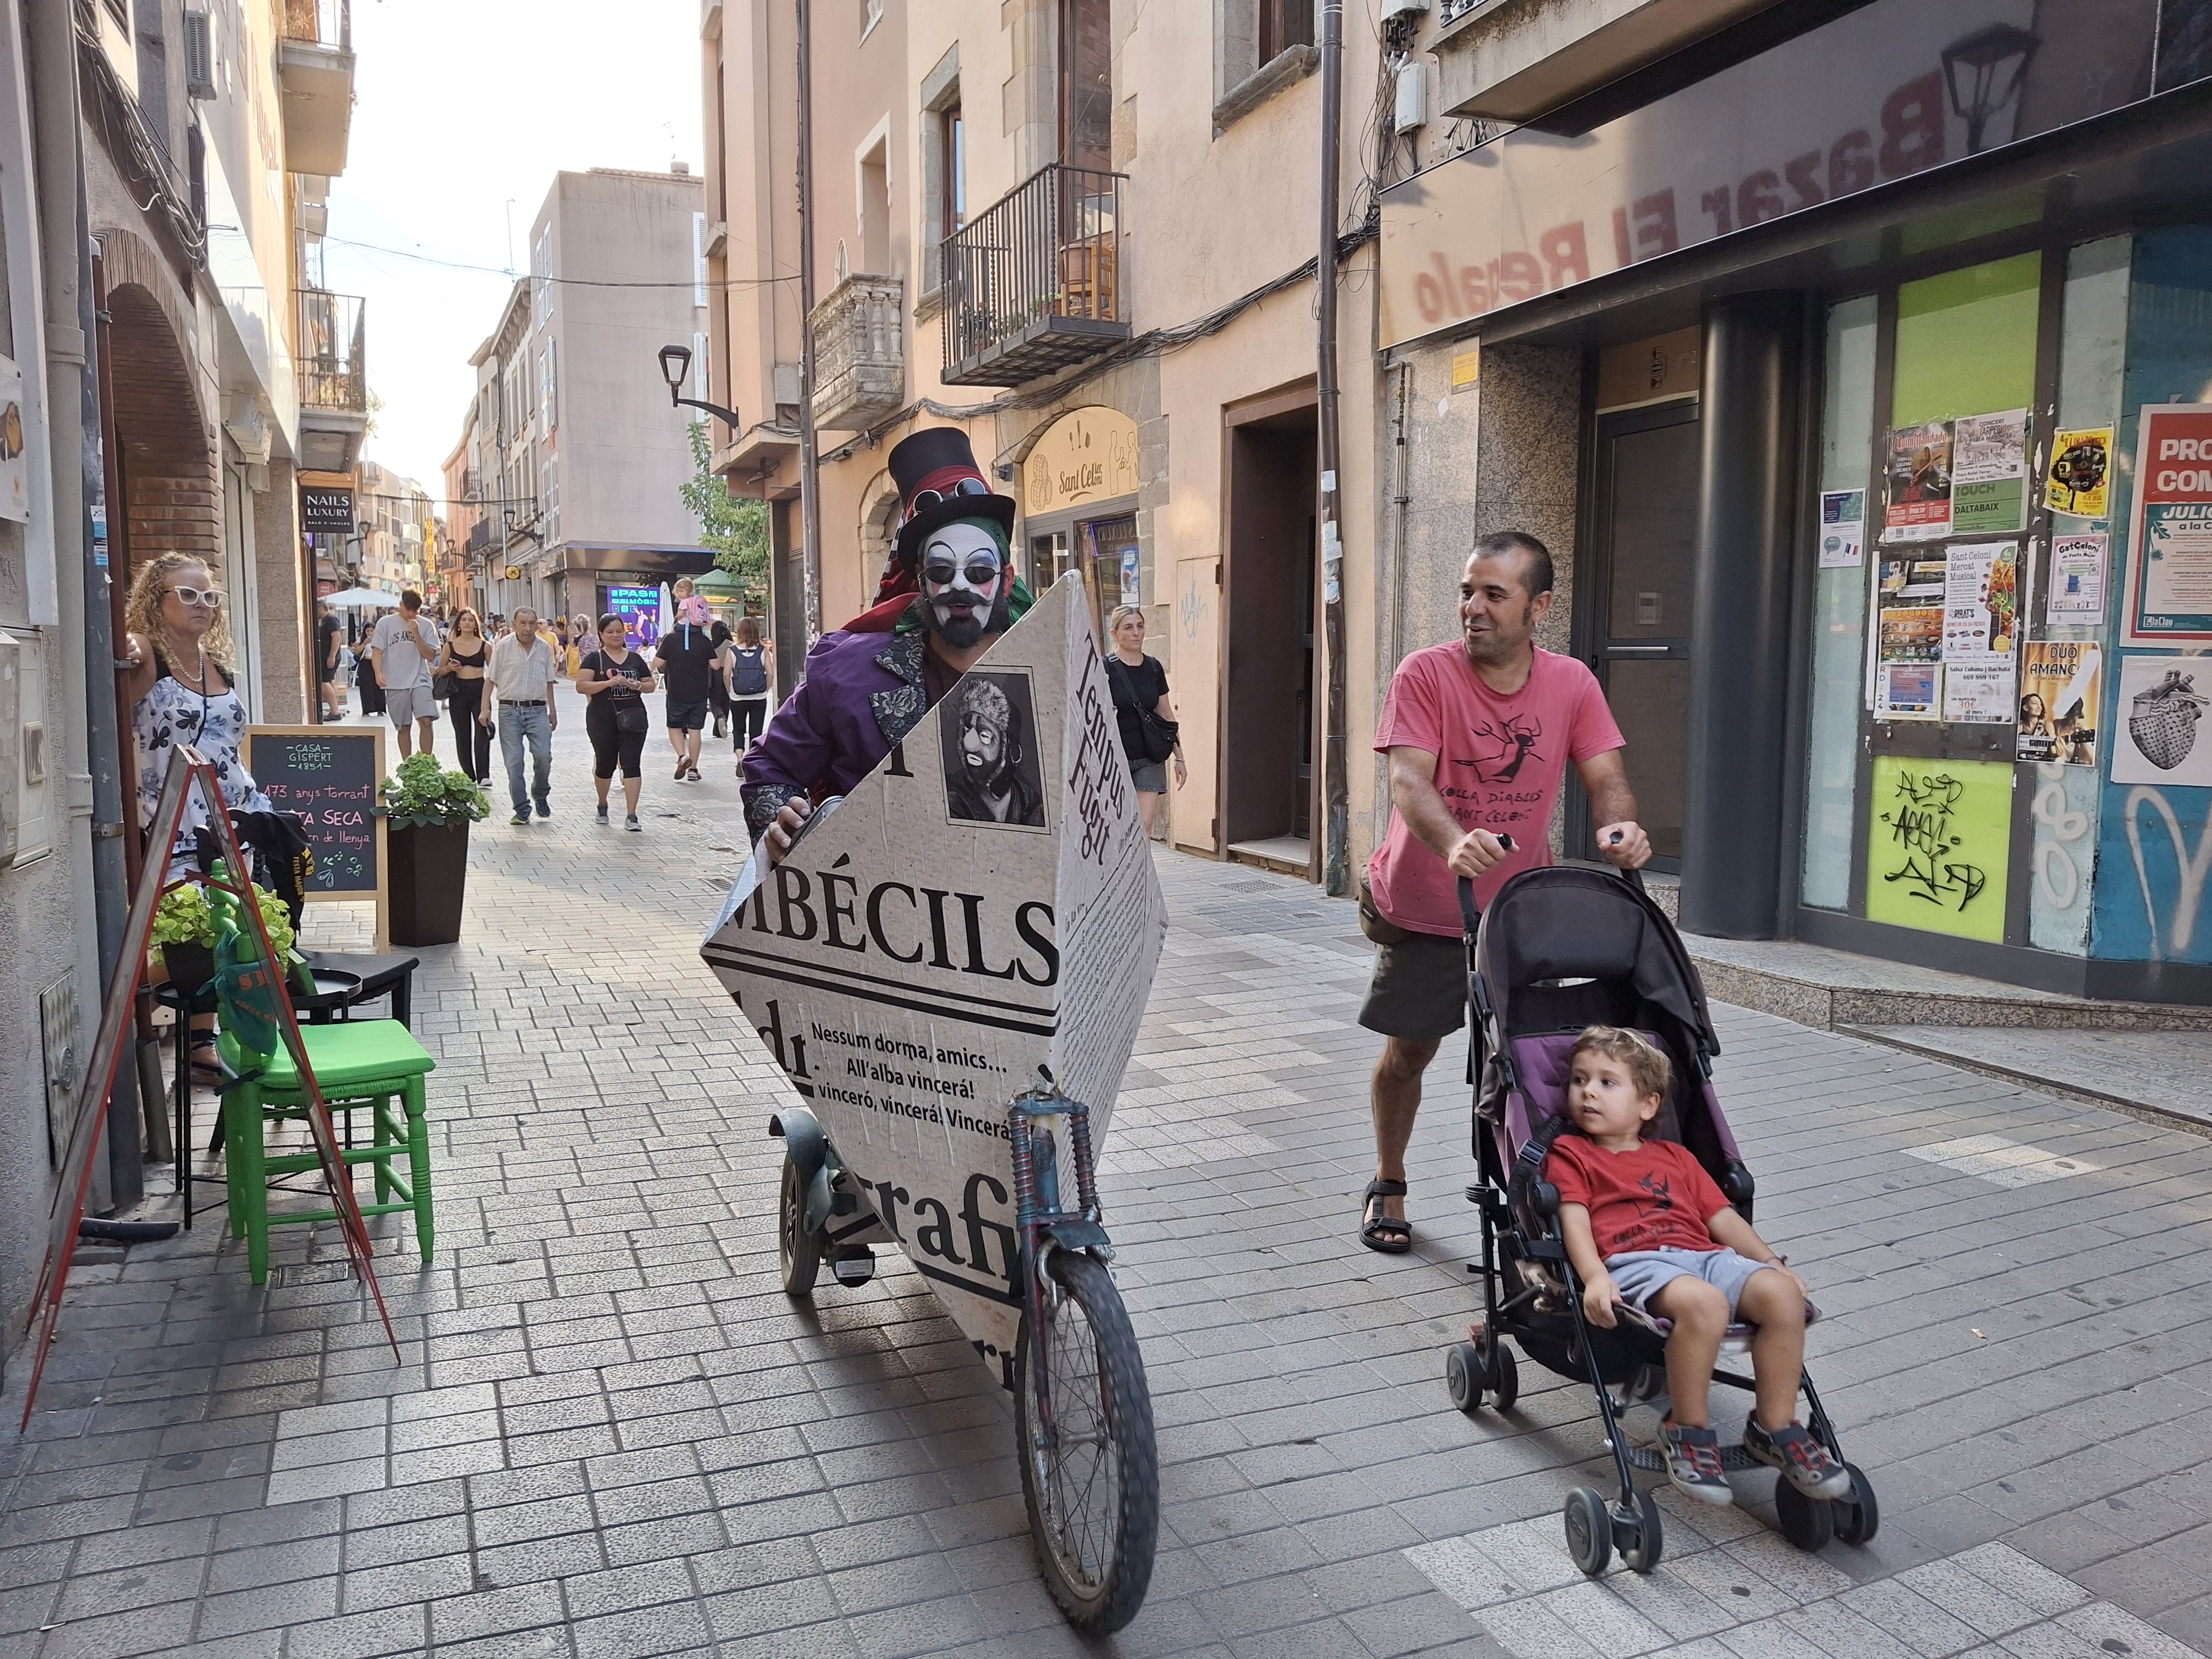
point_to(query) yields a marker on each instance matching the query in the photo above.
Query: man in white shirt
(402, 645)
(521, 681)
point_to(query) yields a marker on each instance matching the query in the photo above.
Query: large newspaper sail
(982, 905)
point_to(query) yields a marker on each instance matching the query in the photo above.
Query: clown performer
(948, 593)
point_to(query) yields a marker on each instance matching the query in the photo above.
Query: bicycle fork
(1041, 1226)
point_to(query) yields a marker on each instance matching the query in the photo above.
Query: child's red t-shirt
(1656, 1198)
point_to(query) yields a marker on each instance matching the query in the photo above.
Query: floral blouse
(173, 713)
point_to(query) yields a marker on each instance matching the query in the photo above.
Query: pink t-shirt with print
(1500, 760)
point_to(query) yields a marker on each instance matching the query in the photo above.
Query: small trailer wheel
(1590, 1531)
(798, 1252)
(1464, 1372)
(1858, 1517)
(1504, 1375)
(1807, 1522)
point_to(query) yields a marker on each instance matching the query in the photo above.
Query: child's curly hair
(1648, 1068)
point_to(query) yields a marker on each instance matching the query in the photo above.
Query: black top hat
(938, 482)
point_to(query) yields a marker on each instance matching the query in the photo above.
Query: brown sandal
(1382, 1232)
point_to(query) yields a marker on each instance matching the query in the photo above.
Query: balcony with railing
(1032, 283)
(330, 361)
(860, 353)
(315, 70)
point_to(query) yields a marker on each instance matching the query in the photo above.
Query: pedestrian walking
(521, 681)
(1493, 720)
(746, 664)
(402, 645)
(582, 636)
(616, 679)
(329, 640)
(718, 681)
(685, 657)
(1149, 732)
(464, 657)
(364, 674)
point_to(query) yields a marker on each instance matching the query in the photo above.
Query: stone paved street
(610, 1435)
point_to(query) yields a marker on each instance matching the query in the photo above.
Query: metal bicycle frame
(1040, 1225)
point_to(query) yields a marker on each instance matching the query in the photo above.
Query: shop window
(1839, 603)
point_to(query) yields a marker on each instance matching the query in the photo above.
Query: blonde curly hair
(150, 586)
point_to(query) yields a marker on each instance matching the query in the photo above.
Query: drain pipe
(1337, 796)
(809, 477)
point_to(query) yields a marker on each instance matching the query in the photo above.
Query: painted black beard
(966, 628)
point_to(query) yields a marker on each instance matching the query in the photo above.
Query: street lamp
(675, 364)
(1985, 72)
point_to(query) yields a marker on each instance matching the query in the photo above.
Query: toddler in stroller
(1649, 1230)
(1617, 1240)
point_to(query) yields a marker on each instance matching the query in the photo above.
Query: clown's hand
(790, 818)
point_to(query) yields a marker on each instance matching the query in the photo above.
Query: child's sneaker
(1693, 1463)
(1803, 1461)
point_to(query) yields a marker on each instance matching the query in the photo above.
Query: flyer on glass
(1979, 692)
(1843, 529)
(1989, 473)
(1907, 690)
(2058, 685)
(2075, 592)
(2170, 582)
(2161, 711)
(1919, 506)
(2080, 479)
(1981, 593)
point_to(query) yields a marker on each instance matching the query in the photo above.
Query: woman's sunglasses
(923, 498)
(211, 598)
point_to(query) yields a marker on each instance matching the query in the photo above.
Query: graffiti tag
(1921, 820)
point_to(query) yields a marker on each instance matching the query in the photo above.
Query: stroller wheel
(1858, 1517)
(1807, 1522)
(1464, 1376)
(1642, 1540)
(1500, 1371)
(1590, 1531)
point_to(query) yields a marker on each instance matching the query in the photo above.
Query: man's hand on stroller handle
(1624, 844)
(1477, 851)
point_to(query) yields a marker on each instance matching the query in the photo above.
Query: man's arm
(1414, 792)
(779, 770)
(416, 639)
(1612, 805)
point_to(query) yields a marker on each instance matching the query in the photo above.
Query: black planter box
(191, 967)
(429, 879)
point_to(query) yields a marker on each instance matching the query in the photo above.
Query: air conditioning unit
(1391, 9)
(199, 55)
(1411, 108)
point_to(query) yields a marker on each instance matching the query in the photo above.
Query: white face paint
(961, 574)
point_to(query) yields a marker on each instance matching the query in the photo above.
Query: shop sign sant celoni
(933, 943)
(1085, 456)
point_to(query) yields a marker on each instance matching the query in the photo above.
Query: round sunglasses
(923, 498)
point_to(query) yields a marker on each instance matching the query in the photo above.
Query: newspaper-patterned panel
(981, 905)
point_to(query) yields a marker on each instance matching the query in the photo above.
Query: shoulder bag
(631, 717)
(1158, 735)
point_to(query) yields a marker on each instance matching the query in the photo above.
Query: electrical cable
(725, 282)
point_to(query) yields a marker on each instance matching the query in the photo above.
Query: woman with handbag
(457, 679)
(616, 679)
(1149, 730)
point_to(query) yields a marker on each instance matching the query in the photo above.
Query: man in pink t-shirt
(1479, 733)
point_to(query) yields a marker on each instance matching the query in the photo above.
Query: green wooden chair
(373, 1066)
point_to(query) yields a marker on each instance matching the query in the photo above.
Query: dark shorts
(687, 716)
(1151, 777)
(1419, 989)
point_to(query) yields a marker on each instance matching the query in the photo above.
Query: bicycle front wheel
(1090, 1469)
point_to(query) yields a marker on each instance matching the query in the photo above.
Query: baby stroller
(1561, 948)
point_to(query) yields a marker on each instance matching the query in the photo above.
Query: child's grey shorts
(1640, 1274)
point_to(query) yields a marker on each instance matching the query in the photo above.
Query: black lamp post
(675, 364)
(1985, 72)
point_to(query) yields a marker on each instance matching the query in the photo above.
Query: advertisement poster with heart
(2161, 739)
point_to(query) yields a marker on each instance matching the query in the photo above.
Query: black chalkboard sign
(328, 775)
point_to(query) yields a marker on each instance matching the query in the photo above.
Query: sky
(464, 111)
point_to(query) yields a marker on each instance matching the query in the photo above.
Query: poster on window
(2161, 717)
(2058, 686)
(2080, 478)
(1908, 676)
(1919, 506)
(2170, 588)
(1981, 599)
(1979, 692)
(2075, 592)
(1989, 473)
(1843, 529)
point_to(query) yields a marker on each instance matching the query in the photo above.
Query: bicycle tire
(798, 1252)
(1095, 1548)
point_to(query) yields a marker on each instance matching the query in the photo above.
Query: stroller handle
(1471, 912)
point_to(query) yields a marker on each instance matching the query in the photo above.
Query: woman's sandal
(207, 1070)
(1382, 1232)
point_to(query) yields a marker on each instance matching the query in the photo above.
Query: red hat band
(945, 484)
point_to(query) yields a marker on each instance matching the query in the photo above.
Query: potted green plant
(428, 809)
(184, 933)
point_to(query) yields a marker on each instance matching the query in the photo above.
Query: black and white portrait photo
(988, 731)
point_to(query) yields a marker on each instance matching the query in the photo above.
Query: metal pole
(810, 482)
(1335, 786)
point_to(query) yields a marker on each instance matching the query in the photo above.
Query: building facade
(1085, 233)
(1850, 351)
(567, 476)
(396, 547)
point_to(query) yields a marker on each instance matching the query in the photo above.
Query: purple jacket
(861, 694)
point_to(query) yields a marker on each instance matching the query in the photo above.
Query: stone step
(2160, 1077)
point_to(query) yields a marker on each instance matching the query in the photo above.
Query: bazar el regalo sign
(1532, 213)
